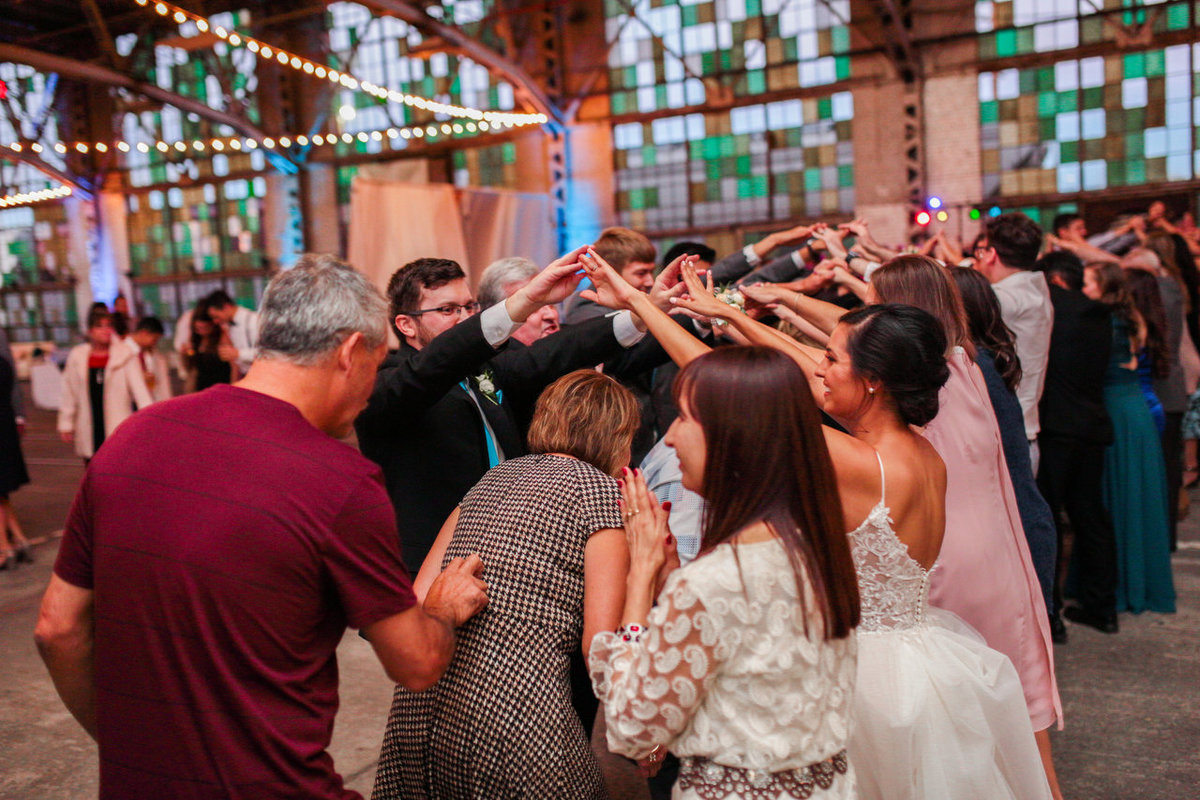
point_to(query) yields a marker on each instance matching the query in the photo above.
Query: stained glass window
(30, 100)
(1124, 119)
(774, 161)
(1019, 27)
(663, 51)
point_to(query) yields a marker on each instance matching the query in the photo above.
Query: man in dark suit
(1075, 429)
(446, 405)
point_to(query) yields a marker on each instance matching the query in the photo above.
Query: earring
(870, 390)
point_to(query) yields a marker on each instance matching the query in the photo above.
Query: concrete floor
(1131, 701)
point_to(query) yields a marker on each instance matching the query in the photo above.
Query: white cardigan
(124, 387)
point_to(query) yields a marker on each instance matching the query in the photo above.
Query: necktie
(493, 451)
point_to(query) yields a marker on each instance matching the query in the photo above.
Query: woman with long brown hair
(745, 667)
(880, 375)
(1135, 483)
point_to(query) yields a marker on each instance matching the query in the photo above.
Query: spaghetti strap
(882, 480)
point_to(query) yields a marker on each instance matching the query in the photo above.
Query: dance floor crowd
(804, 520)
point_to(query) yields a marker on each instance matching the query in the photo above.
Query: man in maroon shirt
(193, 617)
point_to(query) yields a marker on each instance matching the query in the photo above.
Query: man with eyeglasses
(446, 405)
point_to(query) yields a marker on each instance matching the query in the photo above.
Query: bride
(937, 714)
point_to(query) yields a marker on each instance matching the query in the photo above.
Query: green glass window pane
(1028, 81)
(845, 176)
(689, 16)
(1093, 97)
(812, 180)
(1047, 129)
(1156, 63)
(1025, 42)
(1177, 17)
(1116, 173)
(756, 82)
(1068, 101)
(842, 68)
(1135, 172)
(1006, 43)
(1134, 145)
(840, 37)
(619, 102)
(824, 108)
(1068, 152)
(1135, 65)
(1047, 104)
(988, 112)
(1045, 79)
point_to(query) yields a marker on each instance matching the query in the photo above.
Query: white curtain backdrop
(392, 223)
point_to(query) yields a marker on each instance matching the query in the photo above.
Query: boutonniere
(730, 295)
(485, 383)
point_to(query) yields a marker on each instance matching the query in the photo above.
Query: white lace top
(725, 670)
(893, 587)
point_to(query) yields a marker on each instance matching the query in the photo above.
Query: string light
(23, 198)
(309, 67)
(240, 143)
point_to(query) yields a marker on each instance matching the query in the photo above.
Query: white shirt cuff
(797, 260)
(497, 325)
(625, 330)
(870, 270)
(752, 258)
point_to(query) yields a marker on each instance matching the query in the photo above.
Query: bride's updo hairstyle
(904, 348)
(766, 461)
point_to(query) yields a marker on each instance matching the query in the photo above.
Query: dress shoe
(1080, 615)
(1058, 631)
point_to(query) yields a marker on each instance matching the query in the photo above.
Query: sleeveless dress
(727, 678)
(500, 724)
(985, 574)
(938, 715)
(1135, 489)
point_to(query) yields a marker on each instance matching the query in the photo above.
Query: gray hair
(312, 308)
(501, 273)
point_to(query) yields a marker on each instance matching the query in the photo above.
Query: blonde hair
(587, 415)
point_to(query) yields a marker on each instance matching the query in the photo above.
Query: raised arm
(616, 291)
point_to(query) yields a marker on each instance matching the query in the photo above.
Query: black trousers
(1071, 478)
(1172, 447)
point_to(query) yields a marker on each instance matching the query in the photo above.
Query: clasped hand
(652, 549)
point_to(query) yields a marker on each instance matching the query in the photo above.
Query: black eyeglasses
(448, 310)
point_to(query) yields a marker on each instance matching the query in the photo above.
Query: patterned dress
(727, 678)
(499, 724)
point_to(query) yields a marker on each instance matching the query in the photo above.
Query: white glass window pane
(1091, 72)
(1066, 126)
(1092, 123)
(1179, 140)
(987, 87)
(1155, 142)
(1133, 92)
(1008, 84)
(1177, 60)
(1095, 175)
(843, 106)
(1066, 76)
(1179, 167)
(1069, 178)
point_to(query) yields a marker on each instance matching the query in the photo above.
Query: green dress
(1135, 488)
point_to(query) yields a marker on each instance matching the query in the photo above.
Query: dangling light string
(236, 144)
(307, 66)
(25, 198)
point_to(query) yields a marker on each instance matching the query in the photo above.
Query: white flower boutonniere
(485, 383)
(730, 295)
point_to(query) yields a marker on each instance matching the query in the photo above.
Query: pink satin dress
(984, 573)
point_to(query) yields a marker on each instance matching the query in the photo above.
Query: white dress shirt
(1025, 307)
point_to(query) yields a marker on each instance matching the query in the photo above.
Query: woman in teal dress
(1135, 481)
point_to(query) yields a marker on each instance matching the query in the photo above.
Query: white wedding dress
(937, 714)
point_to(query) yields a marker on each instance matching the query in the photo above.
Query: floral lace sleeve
(651, 687)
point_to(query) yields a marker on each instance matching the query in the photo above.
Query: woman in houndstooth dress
(500, 724)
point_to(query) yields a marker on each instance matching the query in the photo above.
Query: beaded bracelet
(631, 632)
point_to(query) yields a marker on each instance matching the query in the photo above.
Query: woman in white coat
(102, 385)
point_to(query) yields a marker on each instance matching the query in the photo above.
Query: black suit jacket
(424, 430)
(1072, 404)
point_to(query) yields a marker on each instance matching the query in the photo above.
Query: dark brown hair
(405, 285)
(1016, 239)
(920, 281)
(1147, 299)
(766, 460)
(587, 415)
(621, 246)
(987, 326)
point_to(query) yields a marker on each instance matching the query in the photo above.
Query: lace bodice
(894, 588)
(725, 670)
